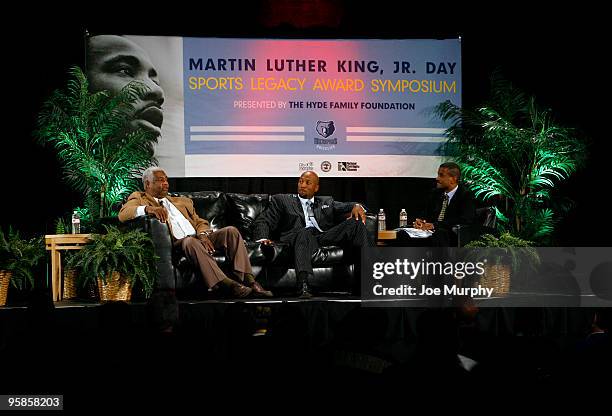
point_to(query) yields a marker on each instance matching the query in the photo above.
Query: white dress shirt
(452, 193)
(180, 226)
(310, 222)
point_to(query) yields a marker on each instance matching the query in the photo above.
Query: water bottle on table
(403, 218)
(382, 223)
(76, 223)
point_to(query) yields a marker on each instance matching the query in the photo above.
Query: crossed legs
(228, 239)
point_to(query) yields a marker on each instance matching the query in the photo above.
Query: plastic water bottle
(403, 219)
(382, 220)
(76, 223)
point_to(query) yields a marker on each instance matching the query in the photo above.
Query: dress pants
(227, 239)
(305, 242)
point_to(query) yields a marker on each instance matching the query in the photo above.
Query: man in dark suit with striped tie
(450, 204)
(307, 222)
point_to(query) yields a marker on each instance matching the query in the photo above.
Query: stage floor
(280, 348)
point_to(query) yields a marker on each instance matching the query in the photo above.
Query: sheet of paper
(415, 232)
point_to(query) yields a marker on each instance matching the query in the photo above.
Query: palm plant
(513, 155)
(102, 156)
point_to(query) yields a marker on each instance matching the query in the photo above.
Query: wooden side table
(384, 237)
(55, 243)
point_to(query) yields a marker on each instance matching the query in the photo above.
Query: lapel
(455, 198)
(297, 205)
(318, 212)
(152, 201)
(177, 203)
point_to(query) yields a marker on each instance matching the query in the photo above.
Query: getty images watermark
(531, 277)
(402, 269)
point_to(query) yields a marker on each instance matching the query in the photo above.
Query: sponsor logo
(326, 141)
(326, 166)
(306, 166)
(348, 166)
(325, 128)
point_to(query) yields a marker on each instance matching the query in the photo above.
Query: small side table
(55, 243)
(384, 237)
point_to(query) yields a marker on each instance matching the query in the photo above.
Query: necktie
(311, 215)
(176, 231)
(444, 205)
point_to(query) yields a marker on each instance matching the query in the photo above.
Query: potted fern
(505, 255)
(18, 258)
(117, 260)
(102, 155)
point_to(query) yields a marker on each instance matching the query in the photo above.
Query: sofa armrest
(372, 227)
(485, 222)
(162, 243)
(271, 252)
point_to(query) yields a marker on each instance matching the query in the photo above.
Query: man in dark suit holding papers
(450, 204)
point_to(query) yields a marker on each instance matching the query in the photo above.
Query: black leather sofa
(334, 267)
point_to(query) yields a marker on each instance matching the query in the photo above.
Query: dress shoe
(259, 291)
(305, 291)
(240, 291)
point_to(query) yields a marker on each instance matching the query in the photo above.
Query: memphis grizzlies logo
(325, 128)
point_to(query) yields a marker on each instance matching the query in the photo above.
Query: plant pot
(117, 287)
(70, 286)
(497, 277)
(5, 281)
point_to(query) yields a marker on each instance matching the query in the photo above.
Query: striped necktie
(444, 206)
(311, 215)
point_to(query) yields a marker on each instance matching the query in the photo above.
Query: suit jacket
(286, 216)
(460, 210)
(184, 205)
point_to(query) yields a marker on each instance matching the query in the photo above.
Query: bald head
(308, 184)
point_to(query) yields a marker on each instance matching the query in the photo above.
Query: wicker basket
(497, 277)
(70, 286)
(116, 288)
(5, 280)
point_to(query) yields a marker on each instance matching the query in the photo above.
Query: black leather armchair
(334, 267)
(485, 222)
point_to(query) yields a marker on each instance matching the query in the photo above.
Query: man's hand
(208, 245)
(421, 224)
(358, 213)
(267, 242)
(158, 212)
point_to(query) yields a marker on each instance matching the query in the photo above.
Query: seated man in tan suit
(193, 235)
